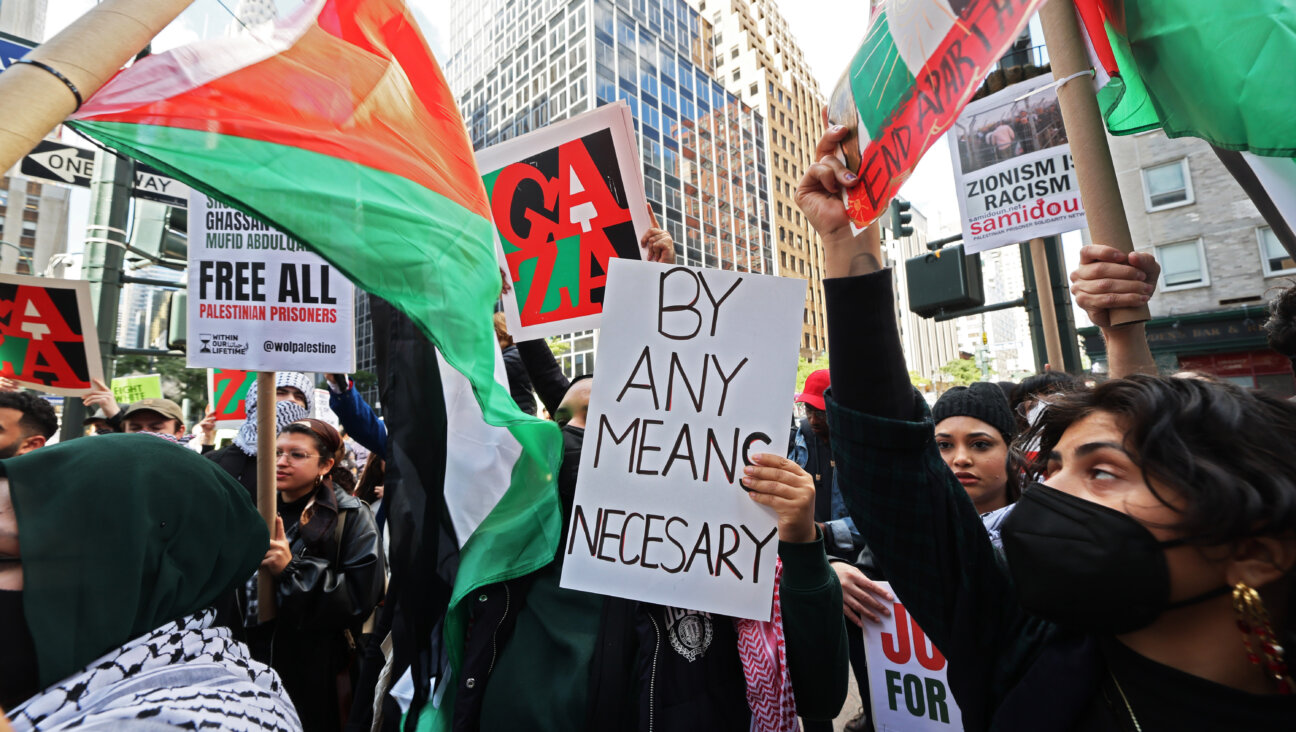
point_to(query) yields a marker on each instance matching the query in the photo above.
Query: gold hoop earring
(1253, 619)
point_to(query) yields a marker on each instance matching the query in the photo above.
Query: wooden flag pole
(1088, 137)
(86, 53)
(267, 502)
(1048, 313)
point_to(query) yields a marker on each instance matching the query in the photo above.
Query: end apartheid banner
(696, 373)
(259, 300)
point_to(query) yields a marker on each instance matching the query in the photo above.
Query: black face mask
(19, 679)
(1086, 566)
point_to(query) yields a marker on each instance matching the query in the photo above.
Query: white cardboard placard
(696, 370)
(907, 676)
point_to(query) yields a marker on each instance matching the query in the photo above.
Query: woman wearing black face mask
(1164, 497)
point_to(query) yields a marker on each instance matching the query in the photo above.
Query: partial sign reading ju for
(696, 375)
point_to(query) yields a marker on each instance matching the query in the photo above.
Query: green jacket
(542, 674)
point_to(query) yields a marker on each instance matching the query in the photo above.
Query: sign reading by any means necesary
(260, 301)
(696, 373)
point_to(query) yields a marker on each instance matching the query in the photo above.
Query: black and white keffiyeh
(286, 412)
(186, 674)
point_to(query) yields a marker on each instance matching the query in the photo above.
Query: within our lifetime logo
(222, 343)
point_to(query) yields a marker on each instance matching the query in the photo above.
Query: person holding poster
(639, 665)
(1162, 497)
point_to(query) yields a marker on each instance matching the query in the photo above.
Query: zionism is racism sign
(48, 340)
(920, 63)
(1013, 169)
(696, 367)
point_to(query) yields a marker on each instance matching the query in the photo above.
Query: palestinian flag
(336, 126)
(1214, 70)
(919, 65)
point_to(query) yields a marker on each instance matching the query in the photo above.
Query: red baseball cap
(815, 386)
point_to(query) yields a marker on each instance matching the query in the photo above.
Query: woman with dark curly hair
(1281, 326)
(1149, 579)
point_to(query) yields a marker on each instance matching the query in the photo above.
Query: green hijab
(121, 534)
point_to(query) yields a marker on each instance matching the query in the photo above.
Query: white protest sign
(1013, 169)
(323, 411)
(696, 372)
(260, 301)
(907, 676)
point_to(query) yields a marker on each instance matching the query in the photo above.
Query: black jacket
(518, 379)
(238, 464)
(322, 594)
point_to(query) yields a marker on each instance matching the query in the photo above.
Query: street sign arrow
(59, 163)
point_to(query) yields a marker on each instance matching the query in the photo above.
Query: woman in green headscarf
(112, 551)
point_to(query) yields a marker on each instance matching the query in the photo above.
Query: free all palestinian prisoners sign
(566, 200)
(697, 368)
(259, 300)
(48, 340)
(1013, 169)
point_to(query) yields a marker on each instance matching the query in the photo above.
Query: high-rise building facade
(758, 59)
(517, 67)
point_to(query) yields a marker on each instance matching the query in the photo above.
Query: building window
(1166, 186)
(1183, 265)
(733, 52)
(1276, 259)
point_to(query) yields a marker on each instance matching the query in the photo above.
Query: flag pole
(1099, 191)
(1048, 313)
(266, 495)
(86, 54)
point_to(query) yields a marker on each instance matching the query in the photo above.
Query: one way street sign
(59, 163)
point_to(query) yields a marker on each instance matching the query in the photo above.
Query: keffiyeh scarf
(186, 674)
(286, 412)
(764, 659)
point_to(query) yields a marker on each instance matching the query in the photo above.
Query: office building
(758, 60)
(516, 68)
(1220, 263)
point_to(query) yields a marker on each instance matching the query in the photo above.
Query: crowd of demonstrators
(620, 669)
(106, 588)
(1135, 578)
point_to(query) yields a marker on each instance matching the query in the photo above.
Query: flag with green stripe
(336, 126)
(919, 65)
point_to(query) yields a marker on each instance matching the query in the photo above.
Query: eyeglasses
(294, 456)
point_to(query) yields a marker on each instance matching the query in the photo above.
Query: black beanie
(983, 401)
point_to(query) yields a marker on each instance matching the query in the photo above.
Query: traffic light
(940, 285)
(899, 217)
(160, 234)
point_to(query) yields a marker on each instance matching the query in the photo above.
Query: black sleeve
(546, 376)
(866, 361)
(319, 592)
(519, 380)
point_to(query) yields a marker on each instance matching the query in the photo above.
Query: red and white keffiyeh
(764, 658)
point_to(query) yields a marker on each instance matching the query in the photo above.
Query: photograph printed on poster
(1008, 130)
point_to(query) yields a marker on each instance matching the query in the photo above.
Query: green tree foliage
(805, 368)
(918, 381)
(962, 371)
